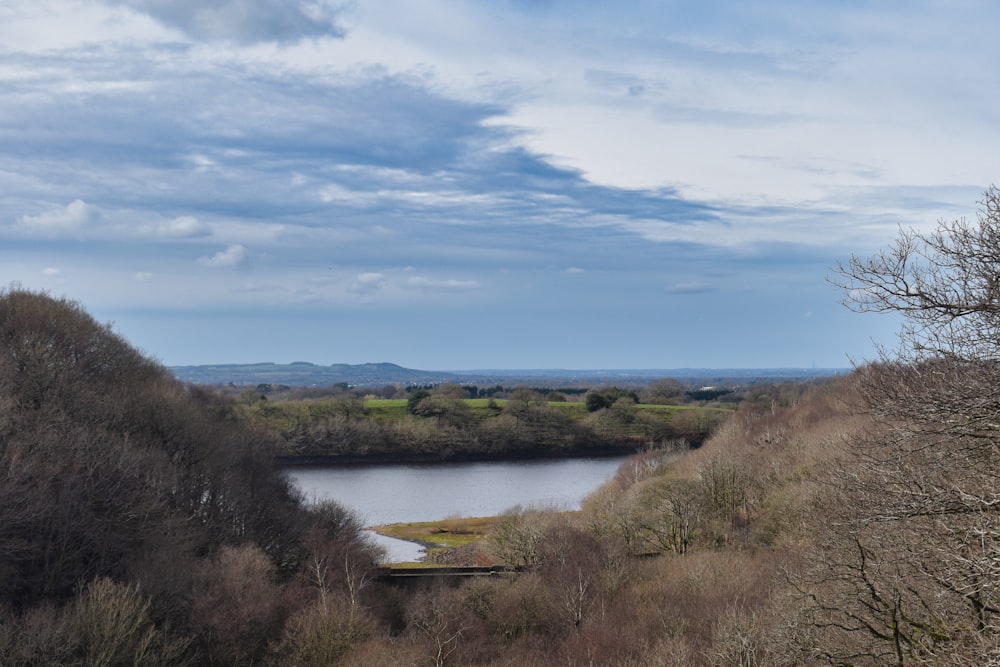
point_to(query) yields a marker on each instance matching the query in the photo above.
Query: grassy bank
(465, 538)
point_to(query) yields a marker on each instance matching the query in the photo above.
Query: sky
(513, 184)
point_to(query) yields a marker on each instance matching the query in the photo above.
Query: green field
(395, 408)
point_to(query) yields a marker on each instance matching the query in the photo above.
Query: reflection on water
(397, 551)
(382, 494)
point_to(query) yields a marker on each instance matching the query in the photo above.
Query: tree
(348, 406)
(106, 624)
(237, 607)
(438, 617)
(599, 399)
(623, 410)
(666, 391)
(414, 400)
(908, 570)
(944, 284)
(320, 634)
(446, 402)
(595, 400)
(451, 390)
(676, 512)
(516, 536)
(522, 400)
(337, 554)
(113, 626)
(113, 471)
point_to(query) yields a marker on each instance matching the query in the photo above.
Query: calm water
(382, 494)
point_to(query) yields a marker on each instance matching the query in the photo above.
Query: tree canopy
(122, 489)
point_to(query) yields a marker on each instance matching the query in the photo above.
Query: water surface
(382, 494)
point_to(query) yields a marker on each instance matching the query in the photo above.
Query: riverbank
(455, 456)
(314, 433)
(455, 541)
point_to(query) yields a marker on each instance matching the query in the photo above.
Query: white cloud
(183, 226)
(369, 278)
(234, 255)
(53, 25)
(448, 284)
(366, 283)
(51, 272)
(143, 277)
(75, 215)
(573, 269)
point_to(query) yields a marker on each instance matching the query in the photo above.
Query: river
(381, 494)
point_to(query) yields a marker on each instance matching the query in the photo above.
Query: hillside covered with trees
(846, 522)
(140, 523)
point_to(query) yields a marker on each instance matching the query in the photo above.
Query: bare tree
(438, 617)
(908, 571)
(945, 284)
(677, 510)
(517, 534)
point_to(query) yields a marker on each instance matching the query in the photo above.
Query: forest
(846, 522)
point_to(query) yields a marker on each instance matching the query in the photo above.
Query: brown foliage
(906, 571)
(111, 459)
(238, 607)
(321, 634)
(111, 471)
(107, 624)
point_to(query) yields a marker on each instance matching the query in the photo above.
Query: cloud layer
(245, 21)
(320, 173)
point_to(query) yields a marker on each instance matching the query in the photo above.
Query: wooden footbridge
(404, 574)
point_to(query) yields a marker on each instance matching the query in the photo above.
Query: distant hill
(304, 374)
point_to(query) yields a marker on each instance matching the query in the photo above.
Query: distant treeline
(662, 392)
(443, 424)
(501, 391)
(305, 374)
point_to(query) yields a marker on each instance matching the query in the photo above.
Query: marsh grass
(448, 533)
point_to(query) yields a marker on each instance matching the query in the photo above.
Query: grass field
(284, 413)
(395, 408)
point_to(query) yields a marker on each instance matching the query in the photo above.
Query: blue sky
(509, 184)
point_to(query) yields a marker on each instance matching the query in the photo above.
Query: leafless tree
(517, 534)
(439, 618)
(676, 512)
(945, 284)
(908, 573)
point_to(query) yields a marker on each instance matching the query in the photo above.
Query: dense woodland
(848, 522)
